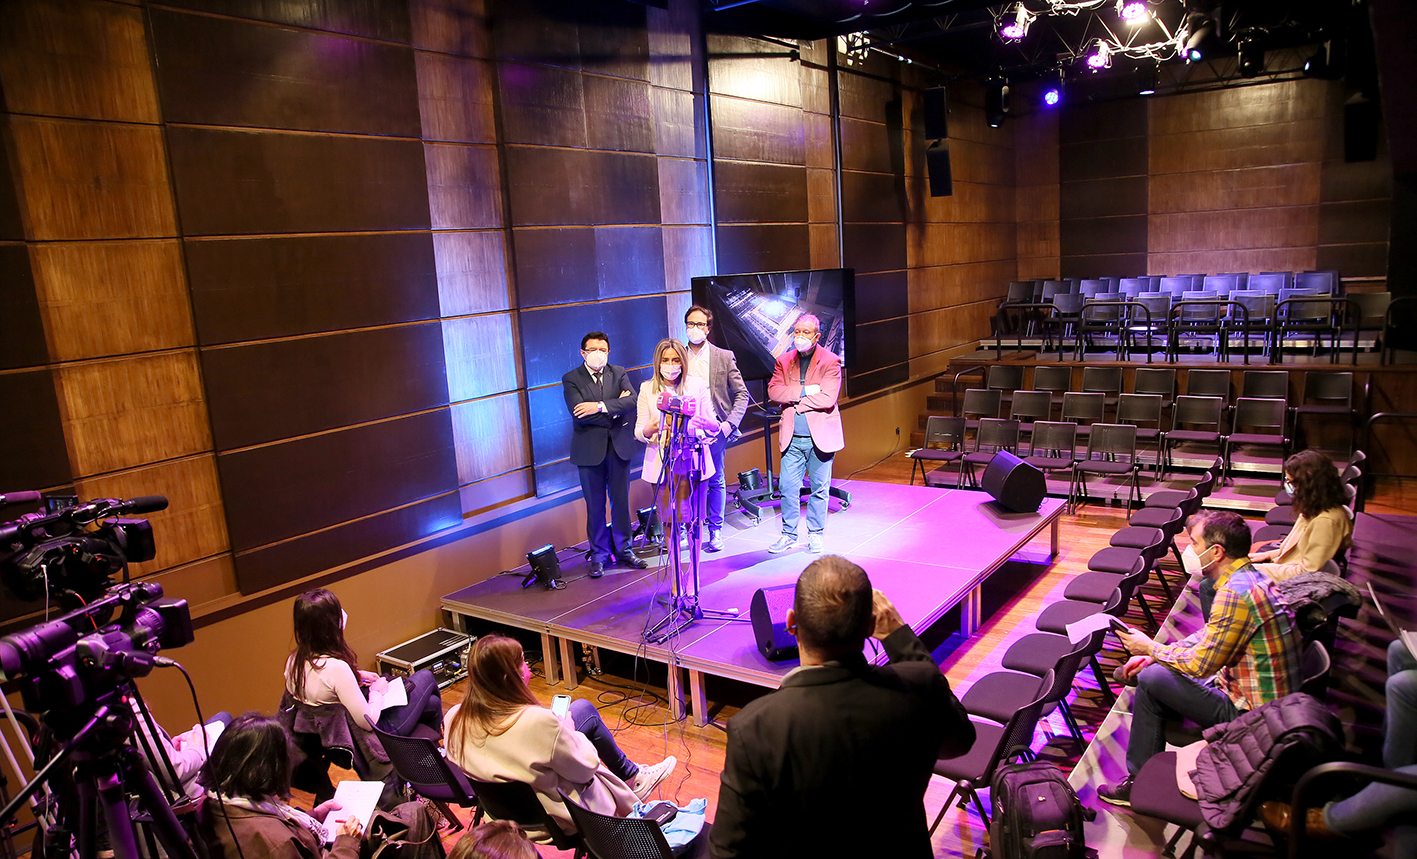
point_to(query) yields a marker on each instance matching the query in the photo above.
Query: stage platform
(929, 549)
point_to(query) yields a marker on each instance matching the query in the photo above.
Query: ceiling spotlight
(1202, 36)
(1132, 11)
(1101, 57)
(1148, 78)
(1317, 65)
(1251, 57)
(996, 102)
(1018, 27)
(1053, 89)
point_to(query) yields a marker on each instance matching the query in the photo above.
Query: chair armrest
(1305, 788)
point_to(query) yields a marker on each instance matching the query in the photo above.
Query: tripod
(687, 452)
(105, 769)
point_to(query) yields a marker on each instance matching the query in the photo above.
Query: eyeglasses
(804, 332)
(703, 325)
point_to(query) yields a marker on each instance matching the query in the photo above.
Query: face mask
(670, 372)
(1192, 562)
(1289, 488)
(696, 335)
(803, 344)
(596, 360)
(343, 618)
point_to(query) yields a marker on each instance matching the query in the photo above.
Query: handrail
(1369, 474)
(1121, 318)
(1330, 300)
(1020, 305)
(1174, 341)
(954, 386)
(1387, 325)
(1298, 809)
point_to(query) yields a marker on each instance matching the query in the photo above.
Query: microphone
(141, 504)
(685, 406)
(29, 497)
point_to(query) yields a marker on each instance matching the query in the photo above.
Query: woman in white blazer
(671, 362)
(501, 733)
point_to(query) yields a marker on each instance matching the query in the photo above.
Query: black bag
(1036, 814)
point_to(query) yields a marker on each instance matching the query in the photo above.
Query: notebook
(1408, 637)
(357, 799)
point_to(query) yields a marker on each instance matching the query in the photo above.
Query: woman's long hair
(250, 759)
(662, 384)
(318, 632)
(495, 688)
(1317, 486)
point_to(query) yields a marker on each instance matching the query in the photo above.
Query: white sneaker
(783, 544)
(814, 544)
(648, 778)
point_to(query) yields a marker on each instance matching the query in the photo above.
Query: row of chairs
(1043, 289)
(1040, 668)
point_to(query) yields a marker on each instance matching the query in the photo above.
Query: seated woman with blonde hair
(495, 839)
(1324, 525)
(501, 733)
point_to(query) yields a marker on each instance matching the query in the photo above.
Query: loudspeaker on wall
(936, 110)
(1014, 483)
(769, 615)
(937, 164)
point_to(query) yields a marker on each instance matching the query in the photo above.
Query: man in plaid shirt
(1246, 655)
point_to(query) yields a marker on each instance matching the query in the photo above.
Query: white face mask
(596, 360)
(1289, 488)
(803, 344)
(1192, 562)
(670, 372)
(696, 335)
(343, 618)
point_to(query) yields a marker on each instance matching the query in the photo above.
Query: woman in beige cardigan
(1324, 526)
(501, 733)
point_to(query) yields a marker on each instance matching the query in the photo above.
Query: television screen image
(753, 314)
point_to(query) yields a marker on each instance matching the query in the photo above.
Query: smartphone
(661, 812)
(1118, 626)
(561, 705)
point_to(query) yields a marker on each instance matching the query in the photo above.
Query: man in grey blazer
(719, 369)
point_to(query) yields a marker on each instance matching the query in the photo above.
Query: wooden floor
(637, 713)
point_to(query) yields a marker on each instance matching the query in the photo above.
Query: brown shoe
(1275, 815)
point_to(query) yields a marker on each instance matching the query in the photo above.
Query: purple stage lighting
(1134, 13)
(1051, 97)
(1012, 30)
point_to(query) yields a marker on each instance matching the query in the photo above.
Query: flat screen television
(753, 314)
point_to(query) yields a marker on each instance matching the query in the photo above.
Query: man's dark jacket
(592, 437)
(836, 762)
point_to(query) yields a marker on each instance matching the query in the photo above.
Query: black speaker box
(1360, 130)
(1014, 483)
(937, 114)
(769, 614)
(937, 163)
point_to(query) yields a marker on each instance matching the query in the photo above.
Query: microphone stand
(684, 608)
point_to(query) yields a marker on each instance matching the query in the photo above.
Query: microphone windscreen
(28, 497)
(666, 401)
(145, 504)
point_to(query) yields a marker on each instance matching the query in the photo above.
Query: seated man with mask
(1247, 654)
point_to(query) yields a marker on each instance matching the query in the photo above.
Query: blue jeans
(1206, 590)
(1164, 695)
(1400, 737)
(587, 720)
(717, 488)
(424, 705)
(802, 458)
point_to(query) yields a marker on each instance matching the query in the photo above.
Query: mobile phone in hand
(1118, 626)
(561, 705)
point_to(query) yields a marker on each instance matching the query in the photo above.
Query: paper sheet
(1080, 629)
(357, 799)
(393, 696)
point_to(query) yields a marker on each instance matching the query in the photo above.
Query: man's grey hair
(833, 607)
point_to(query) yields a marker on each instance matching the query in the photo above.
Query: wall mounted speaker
(937, 163)
(1360, 129)
(1014, 483)
(769, 615)
(937, 114)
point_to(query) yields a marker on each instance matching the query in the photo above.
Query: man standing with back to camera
(807, 381)
(836, 761)
(719, 369)
(602, 405)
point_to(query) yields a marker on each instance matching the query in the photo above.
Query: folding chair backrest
(1221, 283)
(996, 434)
(1108, 380)
(1055, 379)
(1112, 441)
(1032, 406)
(1053, 288)
(1053, 438)
(420, 762)
(1019, 290)
(1083, 408)
(1175, 285)
(944, 431)
(1152, 380)
(1134, 286)
(1273, 384)
(1314, 666)
(1090, 288)
(517, 801)
(1260, 413)
(1157, 303)
(1004, 377)
(1331, 388)
(610, 837)
(1269, 282)
(1322, 281)
(1068, 304)
(981, 401)
(1021, 726)
(1139, 409)
(1201, 312)
(1209, 383)
(1204, 411)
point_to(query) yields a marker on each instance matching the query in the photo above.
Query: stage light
(749, 481)
(1053, 89)
(649, 525)
(1148, 78)
(545, 568)
(1132, 11)
(996, 102)
(1251, 57)
(1202, 36)
(1317, 65)
(1018, 27)
(1051, 96)
(1101, 57)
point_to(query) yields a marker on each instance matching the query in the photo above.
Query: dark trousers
(587, 720)
(612, 475)
(424, 705)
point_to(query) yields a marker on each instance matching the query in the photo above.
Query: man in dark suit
(602, 405)
(836, 761)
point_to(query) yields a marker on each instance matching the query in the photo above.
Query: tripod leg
(170, 834)
(115, 814)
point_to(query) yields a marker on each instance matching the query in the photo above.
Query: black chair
(419, 761)
(1065, 320)
(1111, 452)
(1266, 421)
(1143, 411)
(1205, 415)
(1029, 407)
(609, 837)
(1155, 329)
(993, 745)
(1038, 652)
(1310, 318)
(1368, 312)
(1175, 497)
(979, 403)
(1102, 380)
(1265, 384)
(1159, 381)
(518, 802)
(994, 435)
(1270, 281)
(1084, 410)
(1328, 396)
(1255, 319)
(1055, 380)
(1004, 378)
(944, 442)
(1198, 320)
(1102, 315)
(1052, 446)
(1169, 520)
(1208, 383)
(999, 694)
(1118, 568)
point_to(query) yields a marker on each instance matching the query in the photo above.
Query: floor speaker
(1014, 483)
(769, 615)
(937, 111)
(937, 163)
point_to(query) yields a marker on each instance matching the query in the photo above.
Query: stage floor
(928, 549)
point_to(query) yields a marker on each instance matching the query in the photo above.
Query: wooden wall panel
(874, 247)
(869, 98)
(1262, 187)
(733, 70)
(933, 287)
(279, 491)
(472, 272)
(1272, 104)
(128, 412)
(934, 330)
(313, 384)
(12, 228)
(879, 345)
(824, 246)
(1273, 228)
(1098, 198)
(490, 437)
(820, 142)
(759, 193)
(253, 289)
(555, 32)
(870, 147)
(218, 71)
(192, 527)
(22, 342)
(88, 180)
(948, 244)
(816, 89)
(481, 356)
(455, 99)
(871, 197)
(1256, 259)
(84, 60)
(243, 182)
(555, 266)
(821, 195)
(386, 20)
(458, 27)
(464, 186)
(551, 336)
(970, 203)
(618, 114)
(1238, 148)
(746, 130)
(762, 247)
(551, 187)
(882, 295)
(542, 105)
(1090, 160)
(674, 48)
(496, 491)
(678, 122)
(688, 253)
(683, 191)
(36, 456)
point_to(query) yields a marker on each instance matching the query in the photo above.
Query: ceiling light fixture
(1018, 27)
(1132, 11)
(1101, 57)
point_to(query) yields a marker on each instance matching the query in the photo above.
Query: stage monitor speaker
(937, 114)
(769, 616)
(1014, 483)
(937, 163)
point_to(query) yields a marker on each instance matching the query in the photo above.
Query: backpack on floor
(1036, 814)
